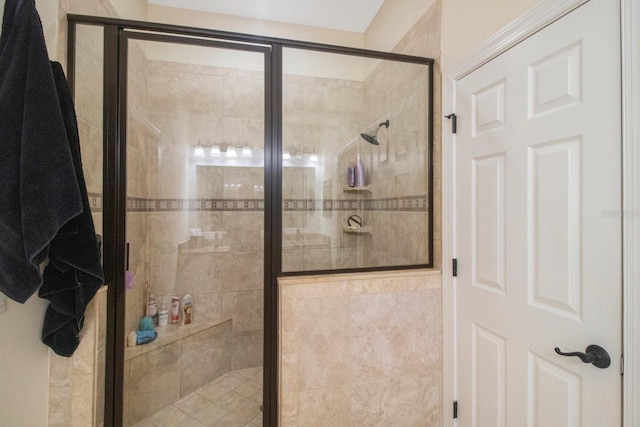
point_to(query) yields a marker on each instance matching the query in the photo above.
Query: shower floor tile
(234, 399)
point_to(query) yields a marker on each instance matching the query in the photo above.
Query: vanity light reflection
(229, 155)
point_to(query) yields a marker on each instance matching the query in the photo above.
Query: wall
(130, 9)
(466, 24)
(253, 26)
(384, 32)
(361, 350)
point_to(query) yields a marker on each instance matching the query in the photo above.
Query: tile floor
(233, 400)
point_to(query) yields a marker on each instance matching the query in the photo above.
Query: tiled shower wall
(326, 116)
(399, 166)
(423, 39)
(321, 115)
(223, 268)
(398, 92)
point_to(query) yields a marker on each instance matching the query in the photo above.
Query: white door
(538, 230)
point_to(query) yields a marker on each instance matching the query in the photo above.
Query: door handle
(594, 354)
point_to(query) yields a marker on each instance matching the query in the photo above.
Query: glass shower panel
(195, 227)
(356, 148)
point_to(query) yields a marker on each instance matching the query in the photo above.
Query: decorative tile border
(408, 203)
(136, 204)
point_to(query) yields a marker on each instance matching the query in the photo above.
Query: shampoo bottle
(359, 173)
(152, 309)
(351, 176)
(163, 316)
(175, 310)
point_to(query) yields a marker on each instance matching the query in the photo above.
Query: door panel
(555, 282)
(488, 223)
(538, 174)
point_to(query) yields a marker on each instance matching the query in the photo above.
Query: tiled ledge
(172, 333)
(369, 275)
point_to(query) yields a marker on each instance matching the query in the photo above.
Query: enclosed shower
(219, 162)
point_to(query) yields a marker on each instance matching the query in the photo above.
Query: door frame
(538, 18)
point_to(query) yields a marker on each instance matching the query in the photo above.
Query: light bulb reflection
(198, 151)
(231, 152)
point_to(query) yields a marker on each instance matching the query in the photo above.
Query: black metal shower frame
(117, 32)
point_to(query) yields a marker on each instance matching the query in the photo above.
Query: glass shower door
(195, 231)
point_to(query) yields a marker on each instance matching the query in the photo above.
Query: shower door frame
(117, 32)
(125, 35)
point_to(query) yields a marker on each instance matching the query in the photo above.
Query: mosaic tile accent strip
(409, 203)
(134, 204)
(163, 205)
(303, 205)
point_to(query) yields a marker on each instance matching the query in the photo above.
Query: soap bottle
(359, 173)
(163, 316)
(351, 176)
(187, 310)
(152, 309)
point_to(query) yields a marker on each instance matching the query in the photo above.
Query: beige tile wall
(424, 39)
(320, 115)
(76, 390)
(361, 350)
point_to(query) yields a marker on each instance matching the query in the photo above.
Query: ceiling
(346, 15)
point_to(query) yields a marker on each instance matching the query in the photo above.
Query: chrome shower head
(371, 136)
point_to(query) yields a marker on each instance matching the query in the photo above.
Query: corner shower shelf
(355, 189)
(360, 230)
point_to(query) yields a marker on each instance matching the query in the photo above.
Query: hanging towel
(74, 274)
(39, 191)
(44, 208)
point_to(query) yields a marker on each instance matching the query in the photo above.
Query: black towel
(39, 191)
(44, 208)
(74, 274)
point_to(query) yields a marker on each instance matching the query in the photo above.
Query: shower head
(371, 136)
